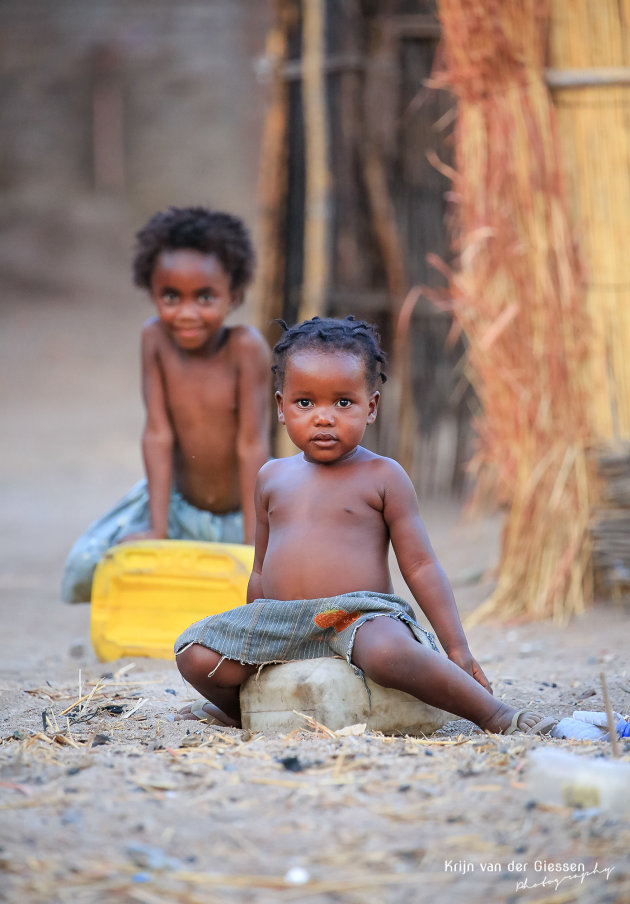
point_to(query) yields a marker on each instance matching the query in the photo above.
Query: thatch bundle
(518, 296)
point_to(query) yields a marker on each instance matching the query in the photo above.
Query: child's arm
(422, 572)
(157, 441)
(255, 587)
(254, 398)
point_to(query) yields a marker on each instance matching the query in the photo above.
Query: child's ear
(373, 406)
(280, 403)
(237, 298)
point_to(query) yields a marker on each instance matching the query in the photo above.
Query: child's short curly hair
(330, 335)
(196, 229)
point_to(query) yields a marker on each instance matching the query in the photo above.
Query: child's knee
(379, 662)
(373, 656)
(197, 661)
(76, 583)
(380, 646)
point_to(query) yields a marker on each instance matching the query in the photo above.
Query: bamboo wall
(589, 77)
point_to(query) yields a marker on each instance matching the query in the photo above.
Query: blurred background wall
(113, 109)
(109, 110)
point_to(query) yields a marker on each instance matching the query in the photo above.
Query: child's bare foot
(508, 719)
(202, 710)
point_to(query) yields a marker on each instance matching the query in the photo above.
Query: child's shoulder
(274, 465)
(386, 472)
(279, 468)
(380, 462)
(247, 340)
(152, 333)
(151, 325)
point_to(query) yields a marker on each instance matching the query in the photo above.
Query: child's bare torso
(201, 395)
(327, 534)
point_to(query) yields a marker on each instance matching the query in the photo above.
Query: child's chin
(327, 455)
(190, 343)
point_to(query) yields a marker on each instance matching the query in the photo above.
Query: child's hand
(479, 675)
(464, 659)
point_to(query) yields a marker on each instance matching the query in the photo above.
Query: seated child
(320, 583)
(206, 389)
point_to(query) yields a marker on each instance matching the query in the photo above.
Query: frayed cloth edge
(224, 656)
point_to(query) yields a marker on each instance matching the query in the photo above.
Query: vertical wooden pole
(272, 178)
(317, 194)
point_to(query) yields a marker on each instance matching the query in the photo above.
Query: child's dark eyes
(306, 403)
(172, 298)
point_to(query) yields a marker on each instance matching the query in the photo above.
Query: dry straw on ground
(204, 813)
(518, 296)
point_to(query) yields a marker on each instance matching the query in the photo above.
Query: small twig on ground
(81, 699)
(140, 703)
(612, 728)
(315, 724)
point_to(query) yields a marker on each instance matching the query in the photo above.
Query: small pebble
(291, 763)
(297, 875)
(141, 877)
(77, 649)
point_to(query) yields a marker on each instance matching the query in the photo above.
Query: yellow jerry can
(146, 593)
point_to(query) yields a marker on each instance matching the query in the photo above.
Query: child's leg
(388, 653)
(197, 663)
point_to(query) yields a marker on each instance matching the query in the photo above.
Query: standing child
(206, 390)
(320, 584)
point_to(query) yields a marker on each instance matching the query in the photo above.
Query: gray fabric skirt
(267, 631)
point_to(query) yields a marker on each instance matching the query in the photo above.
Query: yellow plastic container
(146, 593)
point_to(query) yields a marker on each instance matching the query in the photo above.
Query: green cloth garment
(267, 631)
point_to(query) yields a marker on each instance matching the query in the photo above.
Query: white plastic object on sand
(586, 726)
(559, 777)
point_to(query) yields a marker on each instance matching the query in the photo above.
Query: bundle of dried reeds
(518, 297)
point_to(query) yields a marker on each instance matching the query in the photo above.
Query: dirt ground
(111, 801)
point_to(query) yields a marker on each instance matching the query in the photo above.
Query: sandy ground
(111, 801)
